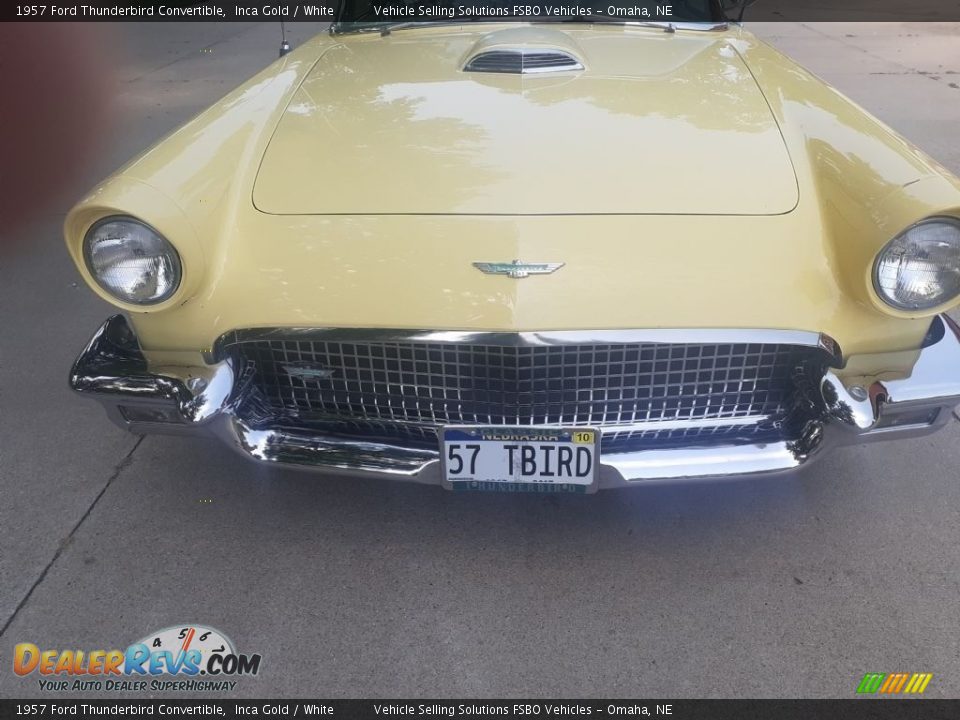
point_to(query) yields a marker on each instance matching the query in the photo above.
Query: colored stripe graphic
(918, 683)
(871, 683)
(900, 683)
(889, 683)
(894, 683)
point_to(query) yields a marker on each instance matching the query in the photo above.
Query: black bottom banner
(526, 709)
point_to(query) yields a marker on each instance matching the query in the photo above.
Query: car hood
(656, 123)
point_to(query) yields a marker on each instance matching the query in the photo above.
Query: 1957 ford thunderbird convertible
(551, 256)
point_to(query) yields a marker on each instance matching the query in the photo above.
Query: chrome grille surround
(218, 398)
(640, 394)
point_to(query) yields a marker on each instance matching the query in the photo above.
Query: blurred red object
(57, 89)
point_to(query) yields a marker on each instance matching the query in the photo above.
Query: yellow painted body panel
(784, 241)
(652, 125)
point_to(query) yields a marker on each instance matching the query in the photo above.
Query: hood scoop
(523, 61)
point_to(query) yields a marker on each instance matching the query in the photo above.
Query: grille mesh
(654, 393)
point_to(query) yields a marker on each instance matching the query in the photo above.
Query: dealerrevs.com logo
(179, 658)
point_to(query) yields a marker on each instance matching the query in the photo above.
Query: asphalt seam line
(188, 54)
(117, 470)
(908, 69)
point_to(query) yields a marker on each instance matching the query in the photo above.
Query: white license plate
(520, 458)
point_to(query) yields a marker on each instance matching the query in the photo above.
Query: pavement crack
(117, 470)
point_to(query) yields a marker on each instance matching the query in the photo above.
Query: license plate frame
(515, 482)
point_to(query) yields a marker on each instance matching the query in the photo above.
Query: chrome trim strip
(704, 462)
(671, 26)
(652, 426)
(572, 67)
(672, 336)
(638, 427)
(681, 424)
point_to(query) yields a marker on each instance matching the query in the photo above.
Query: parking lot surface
(768, 588)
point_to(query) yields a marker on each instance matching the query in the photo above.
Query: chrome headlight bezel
(169, 253)
(890, 300)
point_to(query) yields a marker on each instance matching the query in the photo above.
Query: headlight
(131, 261)
(920, 268)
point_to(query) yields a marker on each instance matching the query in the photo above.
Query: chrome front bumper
(206, 400)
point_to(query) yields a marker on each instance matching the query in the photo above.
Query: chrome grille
(655, 394)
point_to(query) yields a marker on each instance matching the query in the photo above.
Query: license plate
(520, 459)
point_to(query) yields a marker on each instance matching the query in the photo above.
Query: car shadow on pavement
(307, 504)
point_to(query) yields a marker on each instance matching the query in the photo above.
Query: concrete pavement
(762, 589)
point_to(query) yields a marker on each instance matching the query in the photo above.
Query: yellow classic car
(528, 256)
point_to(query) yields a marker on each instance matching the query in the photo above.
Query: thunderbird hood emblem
(517, 269)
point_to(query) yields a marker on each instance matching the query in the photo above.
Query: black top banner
(484, 709)
(371, 13)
